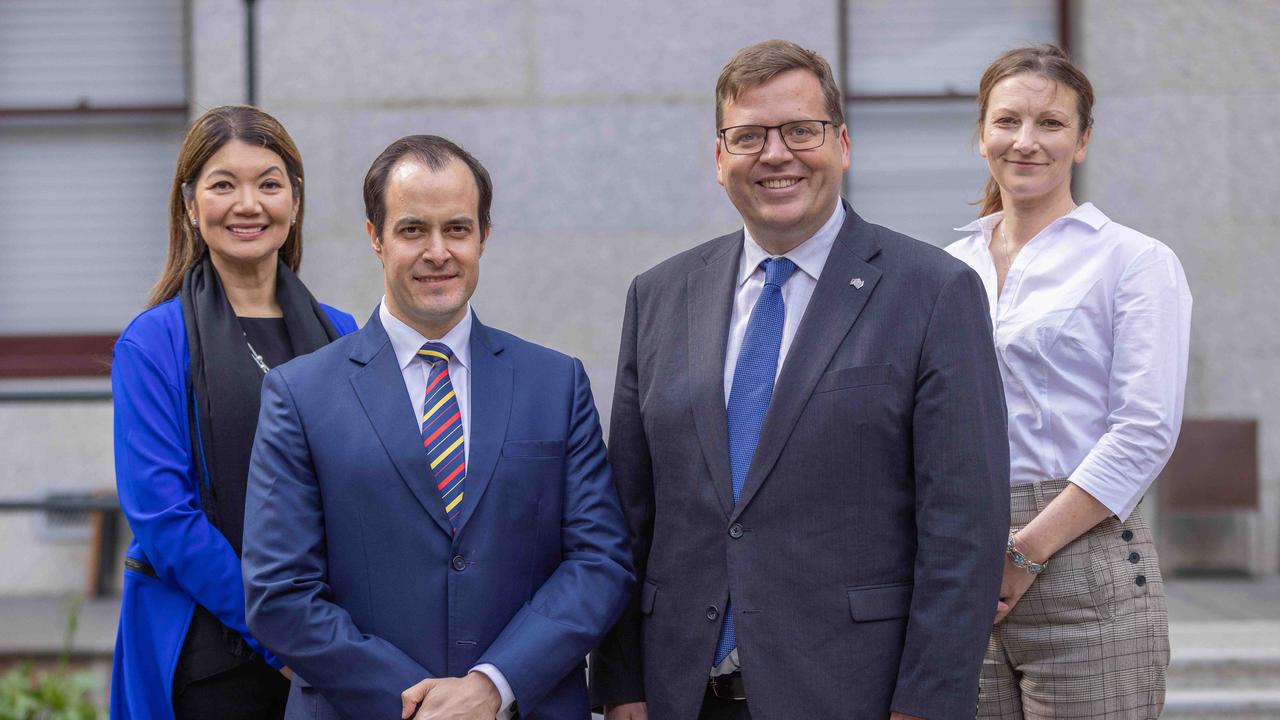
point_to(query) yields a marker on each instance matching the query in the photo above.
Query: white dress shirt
(809, 257)
(1092, 331)
(406, 342)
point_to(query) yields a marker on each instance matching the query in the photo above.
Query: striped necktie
(442, 431)
(749, 397)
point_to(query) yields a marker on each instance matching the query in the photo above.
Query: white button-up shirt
(1092, 331)
(809, 257)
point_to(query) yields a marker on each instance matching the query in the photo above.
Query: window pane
(913, 47)
(916, 167)
(83, 226)
(60, 53)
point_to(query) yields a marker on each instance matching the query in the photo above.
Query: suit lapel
(379, 385)
(710, 297)
(491, 390)
(833, 308)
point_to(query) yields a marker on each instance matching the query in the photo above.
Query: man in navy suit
(431, 525)
(808, 438)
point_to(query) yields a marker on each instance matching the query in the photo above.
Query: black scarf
(224, 385)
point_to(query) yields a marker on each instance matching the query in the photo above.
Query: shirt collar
(406, 342)
(808, 256)
(1086, 213)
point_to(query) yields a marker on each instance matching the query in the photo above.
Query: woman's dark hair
(1048, 61)
(207, 135)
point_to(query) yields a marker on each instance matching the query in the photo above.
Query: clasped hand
(473, 697)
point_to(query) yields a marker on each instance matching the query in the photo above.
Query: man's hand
(287, 673)
(627, 711)
(900, 716)
(1016, 582)
(473, 697)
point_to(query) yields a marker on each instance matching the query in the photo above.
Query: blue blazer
(156, 480)
(352, 573)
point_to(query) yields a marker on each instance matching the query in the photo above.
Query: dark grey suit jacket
(864, 556)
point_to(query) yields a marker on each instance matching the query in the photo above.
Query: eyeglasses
(797, 135)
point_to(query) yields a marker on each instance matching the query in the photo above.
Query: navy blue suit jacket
(353, 575)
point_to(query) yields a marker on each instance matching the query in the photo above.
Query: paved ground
(1211, 619)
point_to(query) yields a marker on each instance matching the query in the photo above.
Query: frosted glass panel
(83, 226)
(916, 167)
(914, 47)
(60, 53)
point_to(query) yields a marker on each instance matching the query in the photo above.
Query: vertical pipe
(250, 54)
(842, 75)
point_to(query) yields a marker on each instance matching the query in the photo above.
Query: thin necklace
(1004, 244)
(256, 357)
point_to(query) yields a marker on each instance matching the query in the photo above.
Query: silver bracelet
(1022, 561)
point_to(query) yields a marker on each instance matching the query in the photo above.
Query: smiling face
(243, 204)
(1031, 138)
(430, 244)
(783, 195)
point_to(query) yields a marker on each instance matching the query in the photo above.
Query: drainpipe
(250, 54)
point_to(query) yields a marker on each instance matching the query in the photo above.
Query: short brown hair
(207, 135)
(758, 64)
(1048, 61)
(433, 151)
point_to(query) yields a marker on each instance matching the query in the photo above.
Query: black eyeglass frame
(782, 135)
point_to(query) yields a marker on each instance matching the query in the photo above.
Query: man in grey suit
(808, 438)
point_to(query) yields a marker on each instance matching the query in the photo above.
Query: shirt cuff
(504, 688)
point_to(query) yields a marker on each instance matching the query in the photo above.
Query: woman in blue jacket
(186, 379)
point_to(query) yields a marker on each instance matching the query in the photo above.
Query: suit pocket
(880, 602)
(648, 594)
(852, 377)
(533, 449)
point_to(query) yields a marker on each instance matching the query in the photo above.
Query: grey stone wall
(596, 122)
(1186, 149)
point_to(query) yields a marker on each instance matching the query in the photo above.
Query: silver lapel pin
(857, 283)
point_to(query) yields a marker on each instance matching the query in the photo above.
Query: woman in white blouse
(1092, 322)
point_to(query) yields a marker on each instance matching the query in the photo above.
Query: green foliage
(26, 694)
(29, 694)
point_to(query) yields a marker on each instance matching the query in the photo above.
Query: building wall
(1186, 149)
(596, 122)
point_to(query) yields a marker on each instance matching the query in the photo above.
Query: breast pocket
(548, 449)
(852, 377)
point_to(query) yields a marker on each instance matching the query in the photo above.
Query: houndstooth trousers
(1090, 638)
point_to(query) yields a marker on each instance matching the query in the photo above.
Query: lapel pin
(857, 283)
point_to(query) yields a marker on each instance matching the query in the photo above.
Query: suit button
(735, 531)
(1140, 580)
(1134, 558)
(1127, 535)
(459, 563)
(712, 612)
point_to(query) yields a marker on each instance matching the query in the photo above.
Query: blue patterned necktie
(442, 431)
(753, 378)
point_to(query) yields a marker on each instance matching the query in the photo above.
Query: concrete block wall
(596, 122)
(1185, 149)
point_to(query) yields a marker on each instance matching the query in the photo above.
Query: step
(1231, 704)
(1221, 669)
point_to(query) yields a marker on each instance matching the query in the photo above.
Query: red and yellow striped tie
(442, 430)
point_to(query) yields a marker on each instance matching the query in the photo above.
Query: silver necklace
(1004, 244)
(256, 357)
